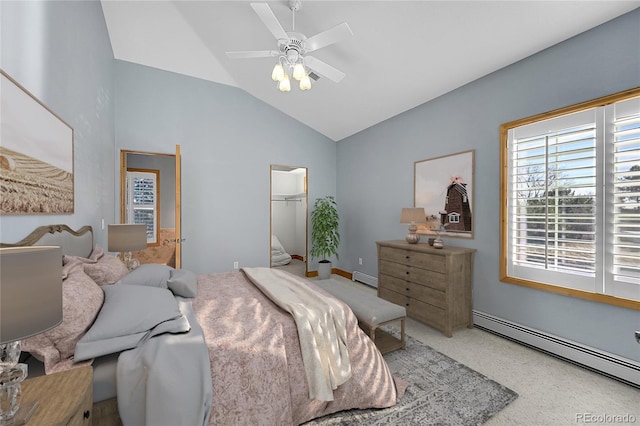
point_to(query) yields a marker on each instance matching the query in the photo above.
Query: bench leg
(402, 335)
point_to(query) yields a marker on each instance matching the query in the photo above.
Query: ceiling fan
(293, 49)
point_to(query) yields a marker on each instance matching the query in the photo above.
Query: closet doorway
(150, 192)
(289, 218)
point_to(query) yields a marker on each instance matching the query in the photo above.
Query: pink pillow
(103, 268)
(107, 270)
(82, 299)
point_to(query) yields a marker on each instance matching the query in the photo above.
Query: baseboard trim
(619, 368)
(336, 271)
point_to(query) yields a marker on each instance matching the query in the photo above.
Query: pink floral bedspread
(256, 364)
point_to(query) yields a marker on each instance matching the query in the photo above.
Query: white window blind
(625, 208)
(553, 200)
(573, 200)
(142, 201)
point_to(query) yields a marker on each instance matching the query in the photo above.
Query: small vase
(437, 243)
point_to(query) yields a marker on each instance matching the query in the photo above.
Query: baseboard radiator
(365, 279)
(611, 365)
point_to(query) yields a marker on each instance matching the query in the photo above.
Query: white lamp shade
(413, 215)
(285, 84)
(30, 291)
(127, 237)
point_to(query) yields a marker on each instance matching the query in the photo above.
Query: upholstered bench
(371, 311)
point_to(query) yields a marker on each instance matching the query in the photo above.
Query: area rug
(441, 391)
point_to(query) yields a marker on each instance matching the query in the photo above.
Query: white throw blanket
(321, 328)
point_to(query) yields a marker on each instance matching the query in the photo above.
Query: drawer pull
(407, 257)
(86, 414)
(407, 272)
(407, 288)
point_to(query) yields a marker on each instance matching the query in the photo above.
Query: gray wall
(228, 140)
(602, 61)
(60, 52)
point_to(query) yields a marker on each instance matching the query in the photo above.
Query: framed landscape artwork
(444, 187)
(36, 155)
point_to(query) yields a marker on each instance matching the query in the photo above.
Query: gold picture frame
(36, 156)
(443, 186)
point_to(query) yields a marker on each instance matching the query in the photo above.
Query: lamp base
(11, 378)
(130, 262)
(413, 238)
(24, 413)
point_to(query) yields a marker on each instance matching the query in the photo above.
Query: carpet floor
(441, 391)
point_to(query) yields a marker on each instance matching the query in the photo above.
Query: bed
(256, 365)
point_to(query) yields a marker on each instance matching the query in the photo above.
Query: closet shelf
(286, 197)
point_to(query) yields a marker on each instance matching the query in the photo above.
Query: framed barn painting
(444, 187)
(36, 155)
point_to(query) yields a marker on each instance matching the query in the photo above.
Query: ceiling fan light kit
(293, 61)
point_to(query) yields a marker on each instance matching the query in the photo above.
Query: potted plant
(324, 234)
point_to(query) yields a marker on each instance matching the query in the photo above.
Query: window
(143, 199)
(570, 210)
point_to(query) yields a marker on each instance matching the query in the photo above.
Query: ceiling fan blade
(269, 19)
(248, 54)
(330, 36)
(324, 69)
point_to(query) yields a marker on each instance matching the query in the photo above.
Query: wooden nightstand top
(60, 395)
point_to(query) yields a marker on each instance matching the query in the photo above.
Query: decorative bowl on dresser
(435, 285)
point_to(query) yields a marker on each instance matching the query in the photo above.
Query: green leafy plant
(324, 228)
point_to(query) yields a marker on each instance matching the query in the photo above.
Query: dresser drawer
(413, 290)
(425, 277)
(429, 314)
(417, 259)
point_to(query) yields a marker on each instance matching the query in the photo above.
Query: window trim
(504, 219)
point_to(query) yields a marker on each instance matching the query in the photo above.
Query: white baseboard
(609, 364)
(365, 279)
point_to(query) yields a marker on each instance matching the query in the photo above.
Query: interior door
(166, 215)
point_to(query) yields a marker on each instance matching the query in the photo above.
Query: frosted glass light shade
(305, 83)
(285, 84)
(299, 71)
(278, 72)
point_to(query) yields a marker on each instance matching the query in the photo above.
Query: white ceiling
(402, 53)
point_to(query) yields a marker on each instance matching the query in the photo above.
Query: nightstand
(64, 398)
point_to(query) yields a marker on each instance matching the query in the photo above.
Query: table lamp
(125, 238)
(30, 304)
(413, 216)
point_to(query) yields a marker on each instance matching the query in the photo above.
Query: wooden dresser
(433, 284)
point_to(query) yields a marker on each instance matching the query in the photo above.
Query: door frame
(178, 195)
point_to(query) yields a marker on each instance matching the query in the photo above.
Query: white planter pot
(324, 270)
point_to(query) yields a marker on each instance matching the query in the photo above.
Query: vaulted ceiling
(401, 54)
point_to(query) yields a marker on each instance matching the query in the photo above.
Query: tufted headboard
(75, 243)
